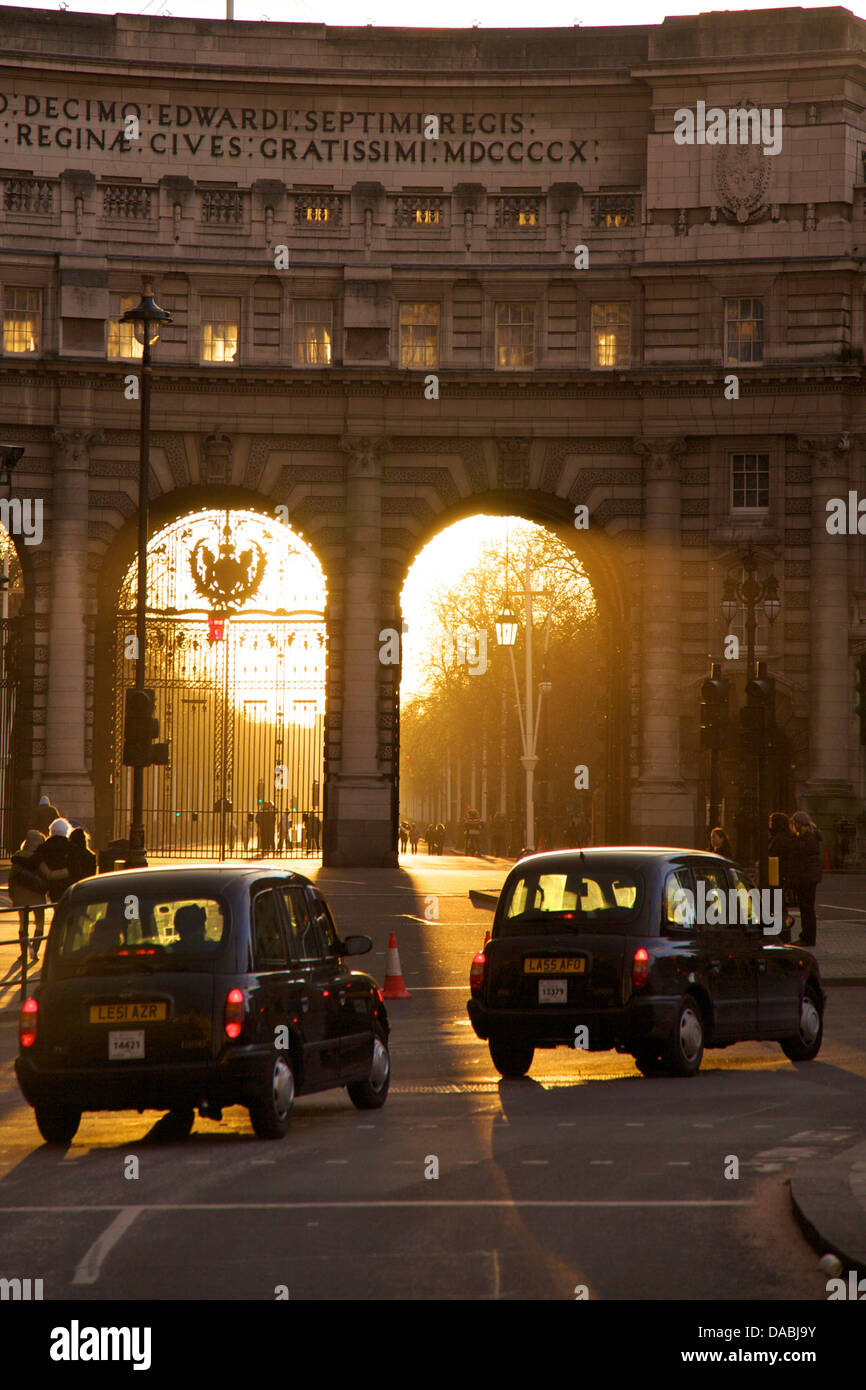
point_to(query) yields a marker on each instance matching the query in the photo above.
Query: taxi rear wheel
(511, 1059)
(58, 1124)
(807, 1043)
(683, 1054)
(271, 1111)
(372, 1093)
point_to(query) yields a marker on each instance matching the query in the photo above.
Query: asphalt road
(585, 1176)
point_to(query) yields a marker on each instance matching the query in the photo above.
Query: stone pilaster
(829, 789)
(66, 777)
(359, 827)
(662, 805)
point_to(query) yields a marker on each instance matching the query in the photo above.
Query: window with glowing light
(611, 335)
(419, 335)
(220, 319)
(313, 331)
(22, 315)
(122, 341)
(744, 332)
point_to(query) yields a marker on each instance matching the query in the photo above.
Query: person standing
(780, 846)
(806, 873)
(53, 859)
(720, 844)
(27, 892)
(266, 820)
(45, 814)
(82, 860)
(413, 837)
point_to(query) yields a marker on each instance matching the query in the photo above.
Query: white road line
(88, 1269)
(333, 1161)
(679, 1163)
(566, 1124)
(535, 1162)
(374, 1203)
(601, 1162)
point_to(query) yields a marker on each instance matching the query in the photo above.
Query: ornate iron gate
(240, 700)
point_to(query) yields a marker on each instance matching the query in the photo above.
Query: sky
(460, 14)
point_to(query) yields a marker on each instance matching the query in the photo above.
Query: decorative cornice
(72, 447)
(828, 451)
(661, 456)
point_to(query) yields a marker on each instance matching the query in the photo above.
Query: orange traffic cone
(394, 986)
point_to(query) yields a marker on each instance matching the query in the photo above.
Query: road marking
(679, 1163)
(428, 988)
(88, 1269)
(566, 1124)
(635, 1124)
(601, 1162)
(377, 1203)
(332, 1161)
(535, 1162)
(704, 1124)
(496, 1280)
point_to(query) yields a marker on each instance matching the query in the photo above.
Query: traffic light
(140, 728)
(715, 694)
(861, 695)
(758, 715)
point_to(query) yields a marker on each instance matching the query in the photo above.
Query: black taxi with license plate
(656, 952)
(198, 987)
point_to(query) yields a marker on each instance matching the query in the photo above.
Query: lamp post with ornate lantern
(506, 636)
(758, 715)
(146, 318)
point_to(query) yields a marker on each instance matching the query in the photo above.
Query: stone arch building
(368, 240)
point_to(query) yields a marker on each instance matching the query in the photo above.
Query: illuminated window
(219, 329)
(22, 312)
(611, 212)
(744, 331)
(419, 335)
(611, 335)
(318, 208)
(515, 335)
(417, 211)
(313, 323)
(122, 341)
(517, 212)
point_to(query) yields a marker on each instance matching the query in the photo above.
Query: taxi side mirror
(356, 946)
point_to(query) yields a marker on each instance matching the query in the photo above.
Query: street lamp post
(146, 318)
(506, 636)
(753, 594)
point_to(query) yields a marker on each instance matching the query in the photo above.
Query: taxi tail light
(640, 967)
(27, 1023)
(476, 971)
(233, 1016)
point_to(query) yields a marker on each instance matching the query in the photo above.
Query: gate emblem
(228, 580)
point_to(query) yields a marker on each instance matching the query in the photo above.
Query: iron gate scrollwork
(239, 693)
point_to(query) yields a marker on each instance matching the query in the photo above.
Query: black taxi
(198, 987)
(652, 951)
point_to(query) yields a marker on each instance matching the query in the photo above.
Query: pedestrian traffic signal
(140, 729)
(715, 695)
(758, 715)
(861, 695)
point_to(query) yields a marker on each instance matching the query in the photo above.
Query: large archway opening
(236, 657)
(478, 703)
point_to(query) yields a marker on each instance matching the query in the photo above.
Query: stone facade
(336, 216)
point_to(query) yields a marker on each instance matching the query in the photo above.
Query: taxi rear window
(584, 900)
(138, 931)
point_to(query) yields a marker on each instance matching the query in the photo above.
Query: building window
(750, 481)
(22, 312)
(418, 212)
(419, 335)
(219, 329)
(318, 208)
(611, 335)
(612, 212)
(313, 331)
(517, 212)
(122, 341)
(515, 335)
(744, 331)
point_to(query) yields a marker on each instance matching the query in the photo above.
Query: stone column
(66, 778)
(360, 790)
(662, 805)
(831, 691)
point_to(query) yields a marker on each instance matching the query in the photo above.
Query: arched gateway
(236, 660)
